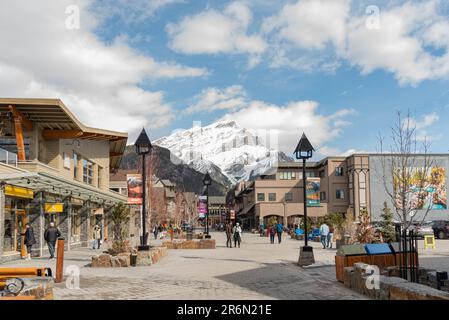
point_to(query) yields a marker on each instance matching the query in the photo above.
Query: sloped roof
(53, 117)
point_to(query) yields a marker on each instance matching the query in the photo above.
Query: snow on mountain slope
(239, 153)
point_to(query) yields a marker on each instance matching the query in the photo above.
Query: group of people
(233, 233)
(326, 235)
(51, 235)
(274, 230)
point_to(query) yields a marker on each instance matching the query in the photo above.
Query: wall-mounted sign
(54, 207)
(135, 188)
(18, 192)
(232, 214)
(98, 211)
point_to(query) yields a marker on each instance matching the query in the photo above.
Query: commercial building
(53, 168)
(344, 185)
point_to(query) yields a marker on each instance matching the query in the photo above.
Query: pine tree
(387, 225)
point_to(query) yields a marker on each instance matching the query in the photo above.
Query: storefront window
(15, 219)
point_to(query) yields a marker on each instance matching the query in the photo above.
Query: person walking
(237, 230)
(97, 236)
(330, 236)
(324, 231)
(228, 230)
(51, 235)
(29, 239)
(155, 232)
(272, 231)
(279, 230)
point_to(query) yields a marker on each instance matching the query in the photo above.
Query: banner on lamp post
(202, 206)
(135, 188)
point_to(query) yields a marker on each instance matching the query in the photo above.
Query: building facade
(53, 169)
(344, 185)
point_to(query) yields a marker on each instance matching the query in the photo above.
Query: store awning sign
(54, 207)
(18, 192)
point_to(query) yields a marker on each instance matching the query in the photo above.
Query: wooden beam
(19, 116)
(115, 154)
(61, 134)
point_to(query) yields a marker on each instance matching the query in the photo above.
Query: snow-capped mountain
(239, 153)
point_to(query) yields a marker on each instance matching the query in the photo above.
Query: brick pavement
(257, 270)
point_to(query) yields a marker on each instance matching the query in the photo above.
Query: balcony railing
(8, 158)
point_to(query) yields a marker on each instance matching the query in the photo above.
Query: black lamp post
(207, 181)
(304, 150)
(143, 147)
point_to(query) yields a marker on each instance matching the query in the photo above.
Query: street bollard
(60, 261)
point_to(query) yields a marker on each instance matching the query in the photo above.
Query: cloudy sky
(336, 69)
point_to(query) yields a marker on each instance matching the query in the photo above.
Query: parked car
(424, 229)
(440, 229)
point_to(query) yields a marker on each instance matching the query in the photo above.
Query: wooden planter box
(348, 261)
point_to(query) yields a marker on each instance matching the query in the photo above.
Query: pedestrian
(324, 231)
(279, 230)
(155, 232)
(51, 235)
(330, 236)
(97, 237)
(229, 234)
(272, 233)
(29, 239)
(237, 230)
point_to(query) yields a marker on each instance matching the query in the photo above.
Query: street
(257, 270)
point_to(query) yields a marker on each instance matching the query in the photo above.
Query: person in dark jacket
(51, 235)
(29, 240)
(272, 231)
(229, 234)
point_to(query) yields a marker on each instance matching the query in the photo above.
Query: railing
(8, 158)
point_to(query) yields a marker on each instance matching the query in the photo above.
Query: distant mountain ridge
(166, 167)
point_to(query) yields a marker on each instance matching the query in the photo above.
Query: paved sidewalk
(257, 270)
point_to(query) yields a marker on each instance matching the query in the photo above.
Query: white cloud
(212, 99)
(311, 24)
(423, 124)
(101, 83)
(309, 33)
(399, 46)
(289, 121)
(214, 32)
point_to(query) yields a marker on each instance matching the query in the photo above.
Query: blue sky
(324, 67)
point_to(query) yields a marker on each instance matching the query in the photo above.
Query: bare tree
(407, 171)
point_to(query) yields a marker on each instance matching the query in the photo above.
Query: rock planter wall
(142, 258)
(190, 244)
(390, 287)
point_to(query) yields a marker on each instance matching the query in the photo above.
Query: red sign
(134, 182)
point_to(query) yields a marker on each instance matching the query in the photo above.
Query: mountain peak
(225, 146)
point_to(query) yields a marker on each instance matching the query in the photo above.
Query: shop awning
(59, 186)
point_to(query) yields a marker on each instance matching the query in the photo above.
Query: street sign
(53, 207)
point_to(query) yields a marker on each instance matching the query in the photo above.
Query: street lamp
(207, 181)
(304, 150)
(143, 147)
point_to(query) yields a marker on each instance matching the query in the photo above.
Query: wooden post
(60, 261)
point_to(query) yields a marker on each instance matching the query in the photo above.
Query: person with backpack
(237, 230)
(279, 230)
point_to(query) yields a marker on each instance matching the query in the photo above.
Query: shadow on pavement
(282, 281)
